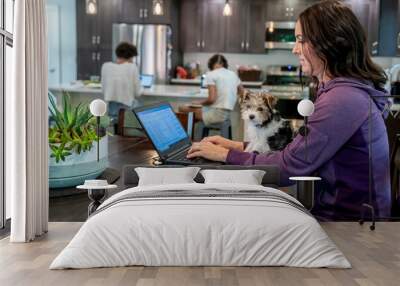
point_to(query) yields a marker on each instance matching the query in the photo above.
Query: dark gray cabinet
(255, 28)
(141, 12)
(202, 26)
(205, 29)
(367, 12)
(212, 39)
(286, 10)
(190, 26)
(244, 32)
(87, 47)
(94, 32)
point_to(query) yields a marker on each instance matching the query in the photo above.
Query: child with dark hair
(223, 86)
(120, 81)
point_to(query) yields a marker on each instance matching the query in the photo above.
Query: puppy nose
(251, 116)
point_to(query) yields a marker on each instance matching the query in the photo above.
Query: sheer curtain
(27, 125)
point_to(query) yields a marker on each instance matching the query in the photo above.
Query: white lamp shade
(98, 107)
(305, 107)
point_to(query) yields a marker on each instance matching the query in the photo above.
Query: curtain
(27, 124)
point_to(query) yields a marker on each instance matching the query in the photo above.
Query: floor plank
(375, 257)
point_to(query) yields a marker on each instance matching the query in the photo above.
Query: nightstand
(97, 191)
(305, 190)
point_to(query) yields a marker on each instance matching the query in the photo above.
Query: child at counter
(223, 86)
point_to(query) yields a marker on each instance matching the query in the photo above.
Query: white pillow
(166, 176)
(248, 177)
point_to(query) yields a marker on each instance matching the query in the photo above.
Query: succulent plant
(73, 129)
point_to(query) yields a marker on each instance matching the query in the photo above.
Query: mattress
(201, 225)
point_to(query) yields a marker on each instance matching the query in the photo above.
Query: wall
(67, 38)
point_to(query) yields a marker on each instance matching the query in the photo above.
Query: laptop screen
(162, 126)
(146, 80)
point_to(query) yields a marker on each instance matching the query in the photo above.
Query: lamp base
(371, 208)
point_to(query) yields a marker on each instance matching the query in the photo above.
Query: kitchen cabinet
(202, 26)
(141, 12)
(94, 32)
(245, 29)
(87, 47)
(204, 29)
(94, 37)
(286, 10)
(367, 12)
(212, 39)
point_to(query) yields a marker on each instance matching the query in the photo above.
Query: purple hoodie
(338, 151)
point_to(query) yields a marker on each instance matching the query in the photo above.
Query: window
(6, 64)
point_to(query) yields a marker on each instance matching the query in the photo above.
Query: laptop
(167, 135)
(146, 80)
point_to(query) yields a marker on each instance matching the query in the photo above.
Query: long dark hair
(339, 40)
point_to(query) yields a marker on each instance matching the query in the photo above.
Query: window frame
(6, 39)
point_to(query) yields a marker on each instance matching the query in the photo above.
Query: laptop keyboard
(182, 157)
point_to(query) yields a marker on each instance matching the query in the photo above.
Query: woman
(336, 56)
(120, 80)
(223, 86)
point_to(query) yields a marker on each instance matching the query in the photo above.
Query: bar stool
(224, 127)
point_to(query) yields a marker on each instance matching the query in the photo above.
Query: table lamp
(305, 109)
(98, 108)
(305, 184)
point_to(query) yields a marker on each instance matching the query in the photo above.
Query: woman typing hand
(208, 150)
(223, 142)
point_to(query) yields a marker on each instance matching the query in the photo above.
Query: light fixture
(227, 9)
(158, 8)
(98, 108)
(91, 7)
(305, 108)
(305, 184)
(271, 27)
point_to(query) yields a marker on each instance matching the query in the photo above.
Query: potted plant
(72, 148)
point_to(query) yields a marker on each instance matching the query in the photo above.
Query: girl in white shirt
(223, 86)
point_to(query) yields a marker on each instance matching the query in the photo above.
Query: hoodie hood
(380, 97)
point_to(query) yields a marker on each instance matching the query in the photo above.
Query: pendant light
(158, 8)
(91, 7)
(227, 9)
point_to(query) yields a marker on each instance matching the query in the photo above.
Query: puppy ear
(270, 100)
(244, 95)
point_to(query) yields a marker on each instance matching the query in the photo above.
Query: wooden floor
(374, 255)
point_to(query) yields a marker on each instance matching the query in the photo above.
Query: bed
(197, 224)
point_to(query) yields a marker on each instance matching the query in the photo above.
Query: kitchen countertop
(184, 91)
(197, 81)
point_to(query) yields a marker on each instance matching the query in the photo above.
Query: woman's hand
(223, 142)
(209, 151)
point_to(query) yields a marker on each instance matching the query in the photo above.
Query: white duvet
(200, 231)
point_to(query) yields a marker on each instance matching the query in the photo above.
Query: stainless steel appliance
(283, 82)
(154, 45)
(279, 35)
